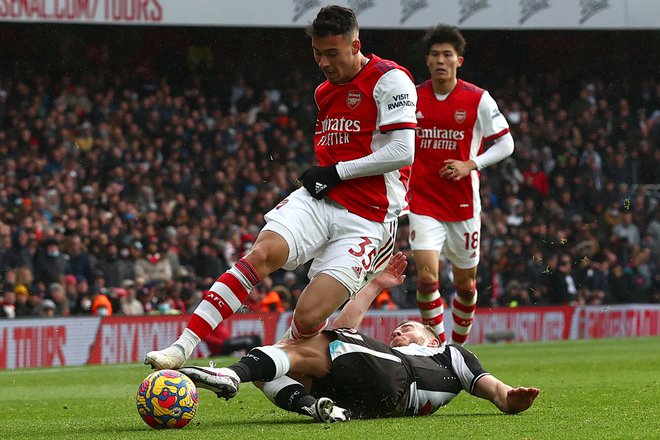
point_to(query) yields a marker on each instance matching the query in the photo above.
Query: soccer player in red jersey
(344, 217)
(453, 119)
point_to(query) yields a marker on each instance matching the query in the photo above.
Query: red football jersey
(352, 122)
(453, 128)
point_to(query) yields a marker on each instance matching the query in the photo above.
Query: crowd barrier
(52, 342)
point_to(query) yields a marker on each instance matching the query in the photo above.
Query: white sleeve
(500, 150)
(396, 97)
(494, 127)
(398, 152)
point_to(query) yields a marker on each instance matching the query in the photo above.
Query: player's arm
(496, 129)
(353, 312)
(396, 97)
(479, 382)
(397, 153)
(507, 399)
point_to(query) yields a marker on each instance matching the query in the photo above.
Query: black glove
(319, 180)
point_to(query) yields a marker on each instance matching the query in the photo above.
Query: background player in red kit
(345, 215)
(453, 118)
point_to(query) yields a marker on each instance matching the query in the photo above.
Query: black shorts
(367, 376)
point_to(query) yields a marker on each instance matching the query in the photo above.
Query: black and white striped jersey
(439, 373)
(373, 379)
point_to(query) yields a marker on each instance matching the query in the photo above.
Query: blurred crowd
(124, 191)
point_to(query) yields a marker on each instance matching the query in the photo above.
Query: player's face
(411, 333)
(443, 62)
(337, 57)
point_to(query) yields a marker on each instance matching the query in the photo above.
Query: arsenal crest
(459, 116)
(353, 99)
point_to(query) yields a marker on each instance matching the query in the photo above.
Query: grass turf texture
(598, 389)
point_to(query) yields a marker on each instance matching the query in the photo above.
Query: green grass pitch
(597, 389)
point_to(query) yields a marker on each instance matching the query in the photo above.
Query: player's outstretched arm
(353, 312)
(505, 398)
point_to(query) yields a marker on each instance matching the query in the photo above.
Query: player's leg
(462, 247)
(227, 294)
(291, 395)
(309, 358)
(322, 297)
(429, 299)
(358, 248)
(306, 357)
(285, 241)
(427, 237)
(464, 303)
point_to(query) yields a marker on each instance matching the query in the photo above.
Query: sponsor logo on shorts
(357, 270)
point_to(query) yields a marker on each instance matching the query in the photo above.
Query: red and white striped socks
(431, 307)
(224, 298)
(463, 314)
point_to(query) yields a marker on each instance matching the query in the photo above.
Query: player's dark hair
(333, 20)
(443, 33)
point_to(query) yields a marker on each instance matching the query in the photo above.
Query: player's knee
(267, 257)
(465, 283)
(426, 277)
(257, 256)
(466, 290)
(427, 288)
(307, 324)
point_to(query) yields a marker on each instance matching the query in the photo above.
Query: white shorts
(458, 241)
(343, 245)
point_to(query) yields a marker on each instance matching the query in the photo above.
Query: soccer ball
(167, 399)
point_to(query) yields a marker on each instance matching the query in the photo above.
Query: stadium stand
(136, 165)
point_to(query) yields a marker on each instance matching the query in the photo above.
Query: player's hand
(456, 169)
(521, 398)
(393, 275)
(319, 180)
